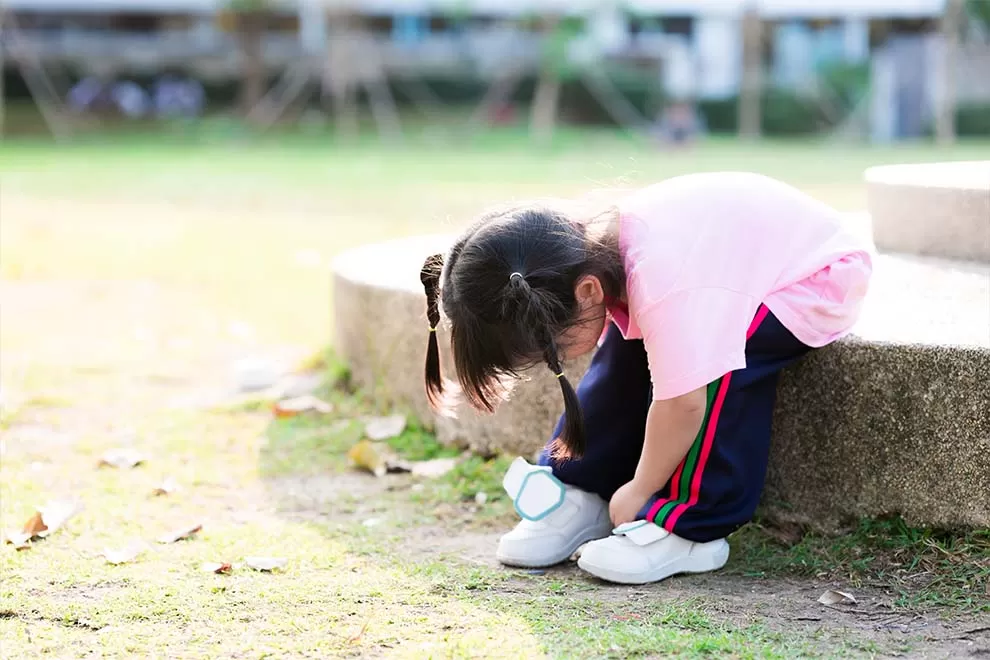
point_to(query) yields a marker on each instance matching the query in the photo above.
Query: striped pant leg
(717, 487)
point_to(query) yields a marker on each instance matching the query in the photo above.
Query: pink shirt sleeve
(686, 338)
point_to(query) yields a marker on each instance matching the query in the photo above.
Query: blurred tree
(979, 10)
(945, 104)
(340, 79)
(458, 15)
(561, 68)
(559, 34)
(752, 80)
(355, 62)
(248, 19)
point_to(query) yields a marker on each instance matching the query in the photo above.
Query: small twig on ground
(847, 610)
(974, 631)
(360, 634)
(965, 635)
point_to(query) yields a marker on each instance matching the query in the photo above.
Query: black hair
(508, 293)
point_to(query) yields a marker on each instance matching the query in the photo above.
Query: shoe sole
(585, 536)
(703, 560)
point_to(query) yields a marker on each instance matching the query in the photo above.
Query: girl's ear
(589, 291)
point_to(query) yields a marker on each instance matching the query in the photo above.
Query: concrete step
(895, 419)
(934, 209)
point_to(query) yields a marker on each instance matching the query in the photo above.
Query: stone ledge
(937, 209)
(895, 419)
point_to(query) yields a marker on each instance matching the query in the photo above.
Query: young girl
(697, 292)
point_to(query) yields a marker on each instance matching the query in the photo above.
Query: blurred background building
(866, 69)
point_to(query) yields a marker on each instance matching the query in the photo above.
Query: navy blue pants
(717, 487)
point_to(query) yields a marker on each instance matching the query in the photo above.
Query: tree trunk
(945, 109)
(251, 29)
(543, 114)
(546, 99)
(340, 79)
(749, 95)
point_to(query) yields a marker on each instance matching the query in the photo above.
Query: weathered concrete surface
(937, 209)
(380, 321)
(893, 420)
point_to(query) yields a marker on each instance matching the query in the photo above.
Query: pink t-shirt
(703, 251)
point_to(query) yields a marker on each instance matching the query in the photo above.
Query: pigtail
(571, 442)
(430, 277)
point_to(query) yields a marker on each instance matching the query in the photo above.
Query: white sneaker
(581, 517)
(641, 552)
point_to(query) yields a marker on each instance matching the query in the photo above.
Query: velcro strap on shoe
(641, 532)
(535, 492)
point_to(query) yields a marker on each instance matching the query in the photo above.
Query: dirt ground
(784, 604)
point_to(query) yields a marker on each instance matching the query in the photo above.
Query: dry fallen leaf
(369, 456)
(45, 521)
(266, 563)
(300, 404)
(383, 428)
(217, 567)
(123, 555)
(166, 487)
(35, 525)
(433, 468)
(122, 457)
(19, 540)
(180, 534)
(833, 597)
(55, 514)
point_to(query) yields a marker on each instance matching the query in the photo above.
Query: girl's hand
(627, 501)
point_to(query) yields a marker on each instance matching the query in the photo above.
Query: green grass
(922, 568)
(581, 625)
(463, 173)
(134, 272)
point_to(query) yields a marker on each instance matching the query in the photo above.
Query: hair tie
(515, 275)
(560, 375)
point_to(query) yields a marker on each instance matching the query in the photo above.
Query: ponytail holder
(433, 329)
(559, 376)
(515, 275)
